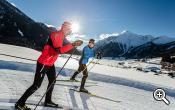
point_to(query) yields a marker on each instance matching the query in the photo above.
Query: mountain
(131, 45)
(17, 28)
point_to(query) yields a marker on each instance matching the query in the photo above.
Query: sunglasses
(92, 42)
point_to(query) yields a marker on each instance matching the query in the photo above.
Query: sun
(75, 27)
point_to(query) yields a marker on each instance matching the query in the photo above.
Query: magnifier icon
(160, 95)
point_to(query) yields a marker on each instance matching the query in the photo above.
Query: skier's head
(66, 28)
(91, 43)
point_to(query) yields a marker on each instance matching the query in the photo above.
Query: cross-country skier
(87, 53)
(45, 65)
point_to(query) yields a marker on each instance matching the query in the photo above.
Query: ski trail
(67, 96)
(89, 98)
(93, 104)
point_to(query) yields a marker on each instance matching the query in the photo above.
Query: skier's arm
(57, 41)
(66, 48)
(69, 46)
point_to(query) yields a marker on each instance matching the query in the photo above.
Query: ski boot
(73, 80)
(84, 90)
(21, 107)
(52, 104)
(73, 77)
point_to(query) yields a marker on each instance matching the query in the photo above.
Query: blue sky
(155, 17)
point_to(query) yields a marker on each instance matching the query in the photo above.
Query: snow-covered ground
(113, 79)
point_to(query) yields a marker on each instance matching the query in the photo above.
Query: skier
(45, 65)
(87, 53)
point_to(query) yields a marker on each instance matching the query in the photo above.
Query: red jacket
(53, 48)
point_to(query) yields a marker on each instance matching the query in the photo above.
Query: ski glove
(98, 55)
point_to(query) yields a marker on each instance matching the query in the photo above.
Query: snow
(20, 32)
(171, 47)
(13, 4)
(49, 25)
(163, 40)
(113, 79)
(1, 17)
(132, 99)
(103, 36)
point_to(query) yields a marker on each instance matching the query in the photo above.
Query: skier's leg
(51, 74)
(39, 76)
(76, 73)
(83, 81)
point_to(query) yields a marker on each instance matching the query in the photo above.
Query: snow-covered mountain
(124, 41)
(123, 44)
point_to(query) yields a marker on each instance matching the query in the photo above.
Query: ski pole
(87, 65)
(55, 79)
(94, 65)
(17, 57)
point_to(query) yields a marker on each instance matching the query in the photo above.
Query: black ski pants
(41, 70)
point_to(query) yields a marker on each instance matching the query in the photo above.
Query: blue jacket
(87, 53)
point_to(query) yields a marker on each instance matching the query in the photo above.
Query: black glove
(98, 55)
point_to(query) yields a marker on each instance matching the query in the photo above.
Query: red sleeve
(56, 38)
(66, 48)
